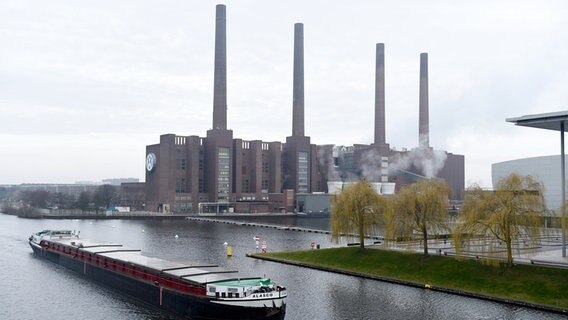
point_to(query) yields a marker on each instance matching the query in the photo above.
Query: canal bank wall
(136, 215)
(425, 286)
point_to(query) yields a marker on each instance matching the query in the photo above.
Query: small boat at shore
(188, 289)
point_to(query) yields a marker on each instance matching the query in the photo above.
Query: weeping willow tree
(511, 213)
(394, 227)
(356, 210)
(422, 207)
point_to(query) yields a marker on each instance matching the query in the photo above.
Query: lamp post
(551, 121)
(563, 181)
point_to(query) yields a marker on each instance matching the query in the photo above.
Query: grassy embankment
(526, 283)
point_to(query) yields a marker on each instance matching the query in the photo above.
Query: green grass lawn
(539, 285)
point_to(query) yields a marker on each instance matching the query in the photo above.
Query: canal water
(32, 288)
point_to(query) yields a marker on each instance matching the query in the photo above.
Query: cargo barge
(188, 289)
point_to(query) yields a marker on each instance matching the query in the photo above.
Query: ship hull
(184, 305)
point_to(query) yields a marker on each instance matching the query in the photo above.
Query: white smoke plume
(325, 158)
(371, 165)
(425, 159)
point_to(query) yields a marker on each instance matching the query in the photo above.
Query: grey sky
(86, 85)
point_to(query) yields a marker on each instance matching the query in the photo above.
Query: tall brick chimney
(220, 82)
(380, 139)
(423, 122)
(298, 94)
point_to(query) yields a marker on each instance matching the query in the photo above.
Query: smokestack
(298, 94)
(220, 82)
(380, 139)
(423, 122)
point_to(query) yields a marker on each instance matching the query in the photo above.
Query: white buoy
(225, 244)
(177, 236)
(143, 230)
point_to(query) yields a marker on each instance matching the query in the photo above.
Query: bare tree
(36, 198)
(422, 207)
(105, 195)
(509, 213)
(83, 200)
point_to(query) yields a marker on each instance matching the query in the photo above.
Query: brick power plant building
(221, 173)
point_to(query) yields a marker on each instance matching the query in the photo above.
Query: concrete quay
(254, 224)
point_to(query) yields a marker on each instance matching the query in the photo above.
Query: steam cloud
(371, 165)
(425, 159)
(326, 161)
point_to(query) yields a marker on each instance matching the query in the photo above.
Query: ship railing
(61, 234)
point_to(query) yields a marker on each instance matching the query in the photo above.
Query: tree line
(102, 197)
(494, 221)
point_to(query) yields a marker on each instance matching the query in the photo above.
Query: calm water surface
(32, 288)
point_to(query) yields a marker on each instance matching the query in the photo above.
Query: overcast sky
(86, 85)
